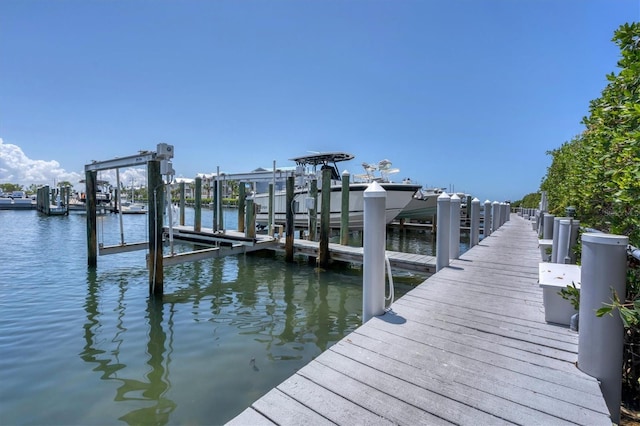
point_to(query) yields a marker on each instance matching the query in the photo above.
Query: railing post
(547, 226)
(487, 219)
(601, 339)
(443, 231)
(373, 261)
(475, 222)
(495, 216)
(454, 233)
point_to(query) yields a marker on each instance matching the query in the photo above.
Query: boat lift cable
(389, 298)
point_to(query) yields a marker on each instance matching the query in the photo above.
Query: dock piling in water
(325, 218)
(197, 219)
(344, 211)
(155, 192)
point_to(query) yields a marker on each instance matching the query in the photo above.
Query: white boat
(422, 207)
(398, 195)
(133, 208)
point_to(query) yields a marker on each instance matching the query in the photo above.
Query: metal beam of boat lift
(164, 152)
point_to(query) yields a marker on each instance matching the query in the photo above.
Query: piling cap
(444, 196)
(475, 200)
(374, 190)
(345, 172)
(606, 239)
(496, 203)
(455, 198)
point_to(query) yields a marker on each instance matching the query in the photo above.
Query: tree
(598, 172)
(10, 187)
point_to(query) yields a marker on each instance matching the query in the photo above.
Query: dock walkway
(397, 260)
(468, 346)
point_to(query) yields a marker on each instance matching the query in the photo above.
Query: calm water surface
(81, 346)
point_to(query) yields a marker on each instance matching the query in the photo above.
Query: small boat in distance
(398, 194)
(133, 208)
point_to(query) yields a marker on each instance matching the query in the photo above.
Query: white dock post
(374, 242)
(495, 216)
(600, 340)
(547, 226)
(443, 231)
(556, 234)
(475, 222)
(487, 219)
(567, 237)
(454, 232)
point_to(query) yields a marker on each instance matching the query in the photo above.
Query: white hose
(391, 288)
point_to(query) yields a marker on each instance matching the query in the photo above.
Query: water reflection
(157, 383)
(256, 315)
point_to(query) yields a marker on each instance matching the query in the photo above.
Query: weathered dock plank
(468, 346)
(337, 252)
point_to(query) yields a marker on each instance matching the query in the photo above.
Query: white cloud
(16, 167)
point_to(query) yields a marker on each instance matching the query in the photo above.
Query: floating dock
(468, 346)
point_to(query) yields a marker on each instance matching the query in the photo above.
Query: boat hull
(420, 209)
(397, 197)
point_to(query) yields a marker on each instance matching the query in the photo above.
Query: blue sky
(463, 93)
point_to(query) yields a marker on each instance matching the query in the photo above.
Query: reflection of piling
(601, 339)
(325, 218)
(290, 230)
(156, 207)
(197, 219)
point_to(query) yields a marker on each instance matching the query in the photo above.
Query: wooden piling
(325, 217)
(344, 210)
(197, 220)
(92, 241)
(289, 228)
(313, 212)
(251, 219)
(270, 221)
(241, 204)
(155, 192)
(182, 203)
(214, 205)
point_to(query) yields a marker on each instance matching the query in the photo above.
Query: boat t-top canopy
(322, 158)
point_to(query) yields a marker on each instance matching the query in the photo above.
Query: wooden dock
(468, 346)
(405, 261)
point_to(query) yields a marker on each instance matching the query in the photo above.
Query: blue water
(88, 346)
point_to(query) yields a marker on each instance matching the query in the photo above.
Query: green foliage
(10, 187)
(598, 172)
(572, 294)
(529, 201)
